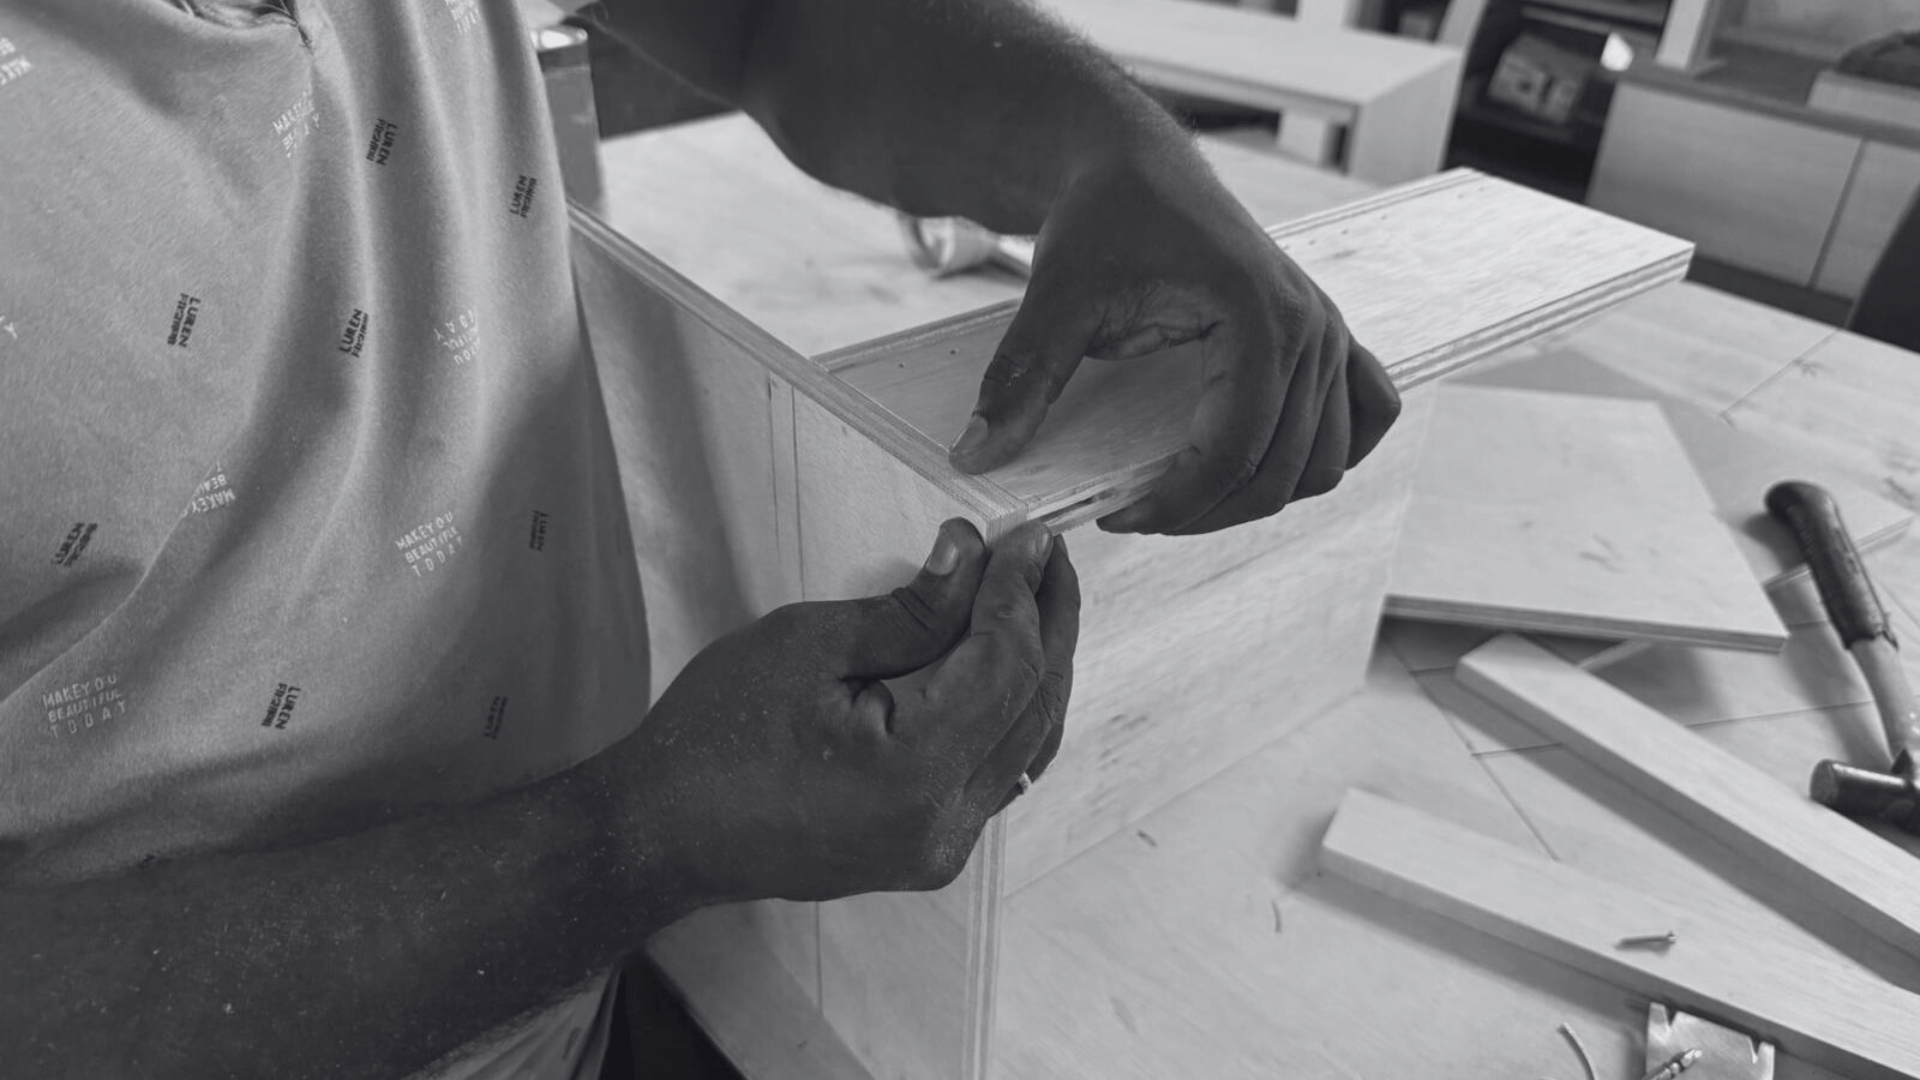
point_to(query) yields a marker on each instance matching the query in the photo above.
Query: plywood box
(756, 477)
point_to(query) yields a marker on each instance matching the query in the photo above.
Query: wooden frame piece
(1829, 857)
(1825, 1011)
(755, 477)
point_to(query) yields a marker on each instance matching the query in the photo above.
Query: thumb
(884, 637)
(1042, 347)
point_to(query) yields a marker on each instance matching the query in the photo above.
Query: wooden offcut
(1576, 515)
(1827, 856)
(1816, 1008)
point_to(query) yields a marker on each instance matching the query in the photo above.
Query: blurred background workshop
(1515, 775)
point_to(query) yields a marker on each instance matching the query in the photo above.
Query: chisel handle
(1845, 589)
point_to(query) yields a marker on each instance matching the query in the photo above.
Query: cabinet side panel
(1197, 651)
(906, 978)
(704, 436)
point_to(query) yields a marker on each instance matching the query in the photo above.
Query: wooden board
(1392, 264)
(1737, 468)
(1828, 856)
(1753, 190)
(1830, 1013)
(1574, 515)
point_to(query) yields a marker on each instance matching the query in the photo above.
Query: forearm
(981, 108)
(369, 955)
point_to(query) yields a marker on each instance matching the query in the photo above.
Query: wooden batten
(1822, 1010)
(1827, 856)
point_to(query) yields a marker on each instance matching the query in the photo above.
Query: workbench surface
(1203, 941)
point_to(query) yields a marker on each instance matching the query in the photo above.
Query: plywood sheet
(1201, 942)
(1393, 264)
(1571, 515)
(1266, 625)
(1736, 467)
(1826, 855)
(1831, 1013)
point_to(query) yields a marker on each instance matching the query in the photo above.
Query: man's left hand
(1136, 257)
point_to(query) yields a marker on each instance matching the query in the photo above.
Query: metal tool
(1857, 616)
(1725, 1054)
(947, 246)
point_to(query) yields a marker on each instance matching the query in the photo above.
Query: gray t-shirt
(311, 511)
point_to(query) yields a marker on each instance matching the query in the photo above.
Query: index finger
(983, 686)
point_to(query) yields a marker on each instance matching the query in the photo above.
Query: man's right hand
(778, 764)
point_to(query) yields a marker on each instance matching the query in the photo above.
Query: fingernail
(972, 439)
(945, 555)
(1040, 544)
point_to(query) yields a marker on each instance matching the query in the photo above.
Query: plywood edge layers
(983, 497)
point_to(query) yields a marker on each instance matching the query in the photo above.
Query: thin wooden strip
(1827, 1012)
(1831, 858)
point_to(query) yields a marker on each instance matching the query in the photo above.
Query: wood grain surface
(1737, 468)
(1828, 856)
(1830, 1013)
(1571, 514)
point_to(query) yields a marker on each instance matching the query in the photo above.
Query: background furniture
(1393, 97)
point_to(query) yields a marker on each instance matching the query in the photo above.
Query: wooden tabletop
(1203, 940)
